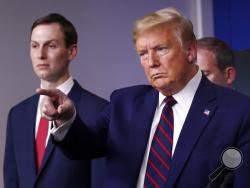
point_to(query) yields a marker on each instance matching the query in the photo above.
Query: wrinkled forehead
(156, 36)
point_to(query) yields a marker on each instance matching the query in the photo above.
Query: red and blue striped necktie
(160, 155)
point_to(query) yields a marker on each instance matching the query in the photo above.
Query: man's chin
(164, 88)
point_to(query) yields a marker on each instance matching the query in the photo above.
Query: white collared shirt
(184, 100)
(65, 87)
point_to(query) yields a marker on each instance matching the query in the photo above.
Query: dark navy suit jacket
(218, 118)
(57, 170)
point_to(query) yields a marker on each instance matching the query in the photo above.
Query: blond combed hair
(170, 17)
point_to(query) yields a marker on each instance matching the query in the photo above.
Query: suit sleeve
(86, 141)
(10, 168)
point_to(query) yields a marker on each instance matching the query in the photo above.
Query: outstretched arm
(71, 133)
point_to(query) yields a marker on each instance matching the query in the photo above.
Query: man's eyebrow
(46, 42)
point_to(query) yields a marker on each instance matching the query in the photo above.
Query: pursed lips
(158, 75)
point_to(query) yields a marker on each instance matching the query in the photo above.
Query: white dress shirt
(184, 100)
(65, 87)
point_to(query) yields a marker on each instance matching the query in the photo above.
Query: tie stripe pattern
(41, 137)
(160, 155)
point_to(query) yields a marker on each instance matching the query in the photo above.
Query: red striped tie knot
(170, 101)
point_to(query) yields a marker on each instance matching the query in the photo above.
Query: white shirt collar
(66, 86)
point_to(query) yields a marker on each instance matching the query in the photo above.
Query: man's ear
(192, 52)
(230, 75)
(72, 52)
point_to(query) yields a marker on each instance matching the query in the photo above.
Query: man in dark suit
(31, 163)
(169, 134)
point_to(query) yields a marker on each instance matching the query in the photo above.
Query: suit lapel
(201, 111)
(144, 109)
(75, 93)
(28, 133)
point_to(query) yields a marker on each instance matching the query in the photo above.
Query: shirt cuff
(60, 132)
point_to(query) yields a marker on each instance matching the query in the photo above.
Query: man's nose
(153, 59)
(42, 53)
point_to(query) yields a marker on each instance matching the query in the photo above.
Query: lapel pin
(206, 112)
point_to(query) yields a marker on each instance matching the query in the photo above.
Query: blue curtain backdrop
(232, 22)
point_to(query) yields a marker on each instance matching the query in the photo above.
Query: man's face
(167, 65)
(207, 63)
(49, 55)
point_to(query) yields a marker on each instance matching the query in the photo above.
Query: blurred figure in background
(216, 59)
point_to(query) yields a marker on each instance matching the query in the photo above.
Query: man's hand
(56, 106)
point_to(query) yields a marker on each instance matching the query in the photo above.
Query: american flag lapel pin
(206, 112)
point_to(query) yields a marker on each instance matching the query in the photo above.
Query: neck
(49, 84)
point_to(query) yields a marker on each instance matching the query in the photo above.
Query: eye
(52, 46)
(33, 45)
(162, 50)
(143, 56)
